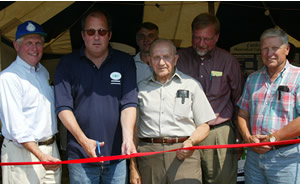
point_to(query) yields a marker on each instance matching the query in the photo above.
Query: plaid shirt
(271, 107)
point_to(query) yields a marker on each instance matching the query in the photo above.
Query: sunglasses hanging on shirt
(183, 94)
(282, 89)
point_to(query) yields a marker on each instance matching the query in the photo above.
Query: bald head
(165, 42)
(163, 59)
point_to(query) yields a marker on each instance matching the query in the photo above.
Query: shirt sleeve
(62, 87)
(201, 107)
(236, 81)
(129, 87)
(243, 102)
(13, 117)
(298, 98)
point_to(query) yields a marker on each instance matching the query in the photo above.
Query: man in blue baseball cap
(27, 112)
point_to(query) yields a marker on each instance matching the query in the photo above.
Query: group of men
(161, 99)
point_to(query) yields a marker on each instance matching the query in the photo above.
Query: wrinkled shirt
(26, 103)
(96, 96)
(163, 113)
(220, 76)
(143, 70)
(270, 111)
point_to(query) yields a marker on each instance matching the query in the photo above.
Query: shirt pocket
(182, 107)
(217, 86)
(285, 101)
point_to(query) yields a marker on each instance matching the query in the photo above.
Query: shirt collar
(175, 76)
(207, 56)
(286, 66)
(137, 57)
(27, 66)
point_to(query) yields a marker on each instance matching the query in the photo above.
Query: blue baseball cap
(29, 27)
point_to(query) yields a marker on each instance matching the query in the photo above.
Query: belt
(165, 140)
(47, 142)
(281, 146)
(228, 122)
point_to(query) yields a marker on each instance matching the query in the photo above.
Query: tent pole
(211, 7)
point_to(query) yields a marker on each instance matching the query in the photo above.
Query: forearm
(68, 119)
(128, 118)
(243, 125)
(43, 157)
(292, 130)
(34, 149)
(199, 134)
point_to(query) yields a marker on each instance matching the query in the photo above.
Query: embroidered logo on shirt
(115, 78)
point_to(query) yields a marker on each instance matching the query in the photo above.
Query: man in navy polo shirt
(96, 100)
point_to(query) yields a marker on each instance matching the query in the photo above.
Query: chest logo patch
(115, 78)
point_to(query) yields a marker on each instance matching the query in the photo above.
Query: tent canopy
(240, 21)
(61, 21)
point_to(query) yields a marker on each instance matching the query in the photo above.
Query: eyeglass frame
(206, 40)
(166, 58)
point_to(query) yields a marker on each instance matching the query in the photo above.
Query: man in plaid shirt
(269, 111)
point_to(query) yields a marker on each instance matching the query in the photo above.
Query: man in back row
(146, 33)
(221, 78)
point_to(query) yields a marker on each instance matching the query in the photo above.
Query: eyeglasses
(206, 40)
(101, 32)
(167, 58)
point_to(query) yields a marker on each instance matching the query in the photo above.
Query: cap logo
(30, 27)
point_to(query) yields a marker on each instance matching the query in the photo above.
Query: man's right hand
(90, 146)
(49, 158)
(259, 139)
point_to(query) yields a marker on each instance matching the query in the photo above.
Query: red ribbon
(118, 157)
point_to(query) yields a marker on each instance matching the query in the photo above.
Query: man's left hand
(183, 154)
(128, 147)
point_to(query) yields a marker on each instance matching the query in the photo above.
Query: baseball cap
(29, 27)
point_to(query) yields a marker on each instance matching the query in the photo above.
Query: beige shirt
(162, 114)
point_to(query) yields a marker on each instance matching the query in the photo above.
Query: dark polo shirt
(96, 97)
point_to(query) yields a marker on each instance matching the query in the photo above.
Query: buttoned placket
(161, 110)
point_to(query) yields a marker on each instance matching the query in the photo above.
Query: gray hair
(19, 40)
(162, 40)
(275, 32)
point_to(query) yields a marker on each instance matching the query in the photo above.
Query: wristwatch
(192, 140)
(272, 138)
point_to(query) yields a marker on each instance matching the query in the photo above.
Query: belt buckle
(164, 140)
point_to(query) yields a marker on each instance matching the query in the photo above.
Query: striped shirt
(271, 105)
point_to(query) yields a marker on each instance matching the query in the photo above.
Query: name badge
(216, 73)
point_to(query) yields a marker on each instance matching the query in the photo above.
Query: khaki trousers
(165, 167)
(27, 174)
(219, 166)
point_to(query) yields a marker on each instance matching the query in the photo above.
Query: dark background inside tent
(241, 21)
